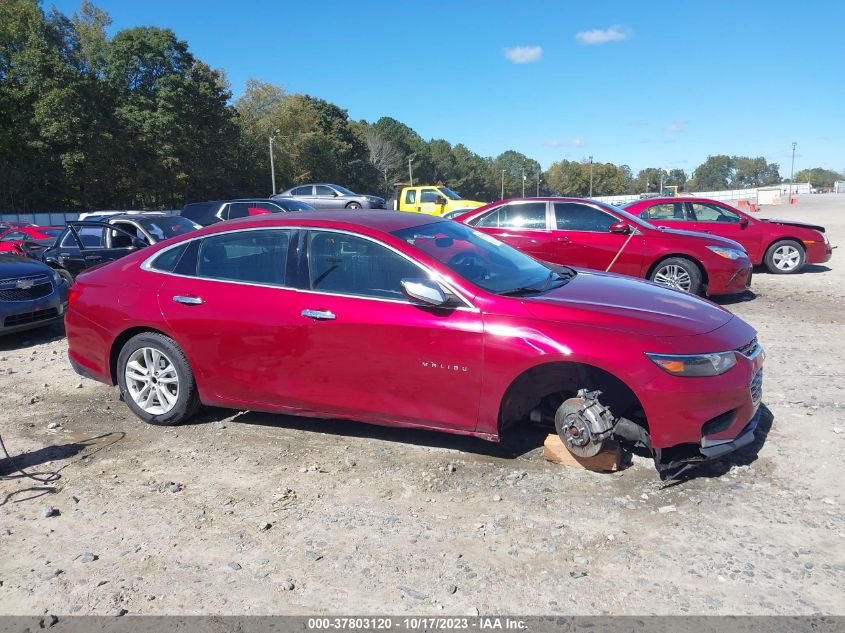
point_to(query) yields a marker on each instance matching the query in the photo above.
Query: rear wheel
(156, 381)
(679, 273)
(785, 257)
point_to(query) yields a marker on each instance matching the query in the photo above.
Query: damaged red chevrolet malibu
(399, 319)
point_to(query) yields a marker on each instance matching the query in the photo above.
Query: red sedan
(407, 320)
(12, 239)
(783, 246)
(591, 234)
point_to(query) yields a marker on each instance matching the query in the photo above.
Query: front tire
(785, 257)
(353, 205)
(156, 380)
(678, 273)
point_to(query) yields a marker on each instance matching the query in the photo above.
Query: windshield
(51, 232)
(449, 193)
(344, 190)
(480, 258)
(167, 227)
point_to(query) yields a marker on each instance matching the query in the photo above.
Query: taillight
(73, 294)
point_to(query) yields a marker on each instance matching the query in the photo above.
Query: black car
(84, 243)
(31, 294)
(214, 211)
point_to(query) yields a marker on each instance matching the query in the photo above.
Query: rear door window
(248, 256)
(303, 191)
(665, 211)
(523, 215)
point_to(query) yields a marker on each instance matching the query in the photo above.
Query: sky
(647, 84)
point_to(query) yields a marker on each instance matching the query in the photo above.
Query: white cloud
(675, 127)
(575, 142)
(615, 33)
(524, 54)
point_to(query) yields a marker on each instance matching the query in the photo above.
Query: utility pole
(792, 169)
(503, 185)
(410, 170)
(538, 183)
(272, 169)
(661, 182)
(591, 177)
(523, 181)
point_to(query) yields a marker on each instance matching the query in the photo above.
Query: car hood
(711, 239)
(627, 304)
(803, 225)
(14, 266)
(467, 204)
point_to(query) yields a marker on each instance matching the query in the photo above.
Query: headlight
(727, 253)
(694, 364)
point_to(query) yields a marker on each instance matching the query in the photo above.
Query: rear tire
(156, 380)
(785, 257)
(679, 273)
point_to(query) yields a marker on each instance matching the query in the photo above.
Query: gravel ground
(247, 513)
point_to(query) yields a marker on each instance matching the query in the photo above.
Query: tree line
(89, 121)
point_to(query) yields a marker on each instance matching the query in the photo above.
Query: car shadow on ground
(28, 338)
(521, 442)
(808, 268)
(727, 300)
(743, 457)
(13, 467)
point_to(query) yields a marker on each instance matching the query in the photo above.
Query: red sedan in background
(783, 246)
(592, 234)
(411, 320)
(12, 239)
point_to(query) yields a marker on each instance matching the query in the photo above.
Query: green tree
(819, 177)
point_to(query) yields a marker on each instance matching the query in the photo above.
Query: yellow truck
(430, 199)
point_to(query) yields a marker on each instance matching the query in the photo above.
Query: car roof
(375, 219)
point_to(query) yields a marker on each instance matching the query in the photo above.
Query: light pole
(503, 185)
(538, 183)
(661, 182)
(272, 168)
(523, 181)
(792, 169)
(591, 177)
(410, 170)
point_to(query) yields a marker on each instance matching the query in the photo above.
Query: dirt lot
(260, 514)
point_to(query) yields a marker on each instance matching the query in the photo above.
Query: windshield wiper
(554, 276)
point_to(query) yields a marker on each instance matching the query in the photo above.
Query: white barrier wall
(759, 195)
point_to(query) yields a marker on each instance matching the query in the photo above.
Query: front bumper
(19, 316)
(729, 279)
(818, 252)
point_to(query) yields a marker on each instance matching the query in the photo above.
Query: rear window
(201, 212)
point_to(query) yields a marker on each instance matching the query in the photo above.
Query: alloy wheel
(786, 258)
(673, 276)
(152, 380)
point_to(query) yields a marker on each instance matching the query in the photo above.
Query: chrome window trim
(146, 265)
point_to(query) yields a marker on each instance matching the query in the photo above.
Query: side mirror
(137, 243)
(335, 193)
(620, 227)
(424, 291)
(743, 222)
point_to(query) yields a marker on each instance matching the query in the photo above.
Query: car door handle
(188, 301)
(319, 315)
(93, 258)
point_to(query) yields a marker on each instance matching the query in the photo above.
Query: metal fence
(730, 195)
